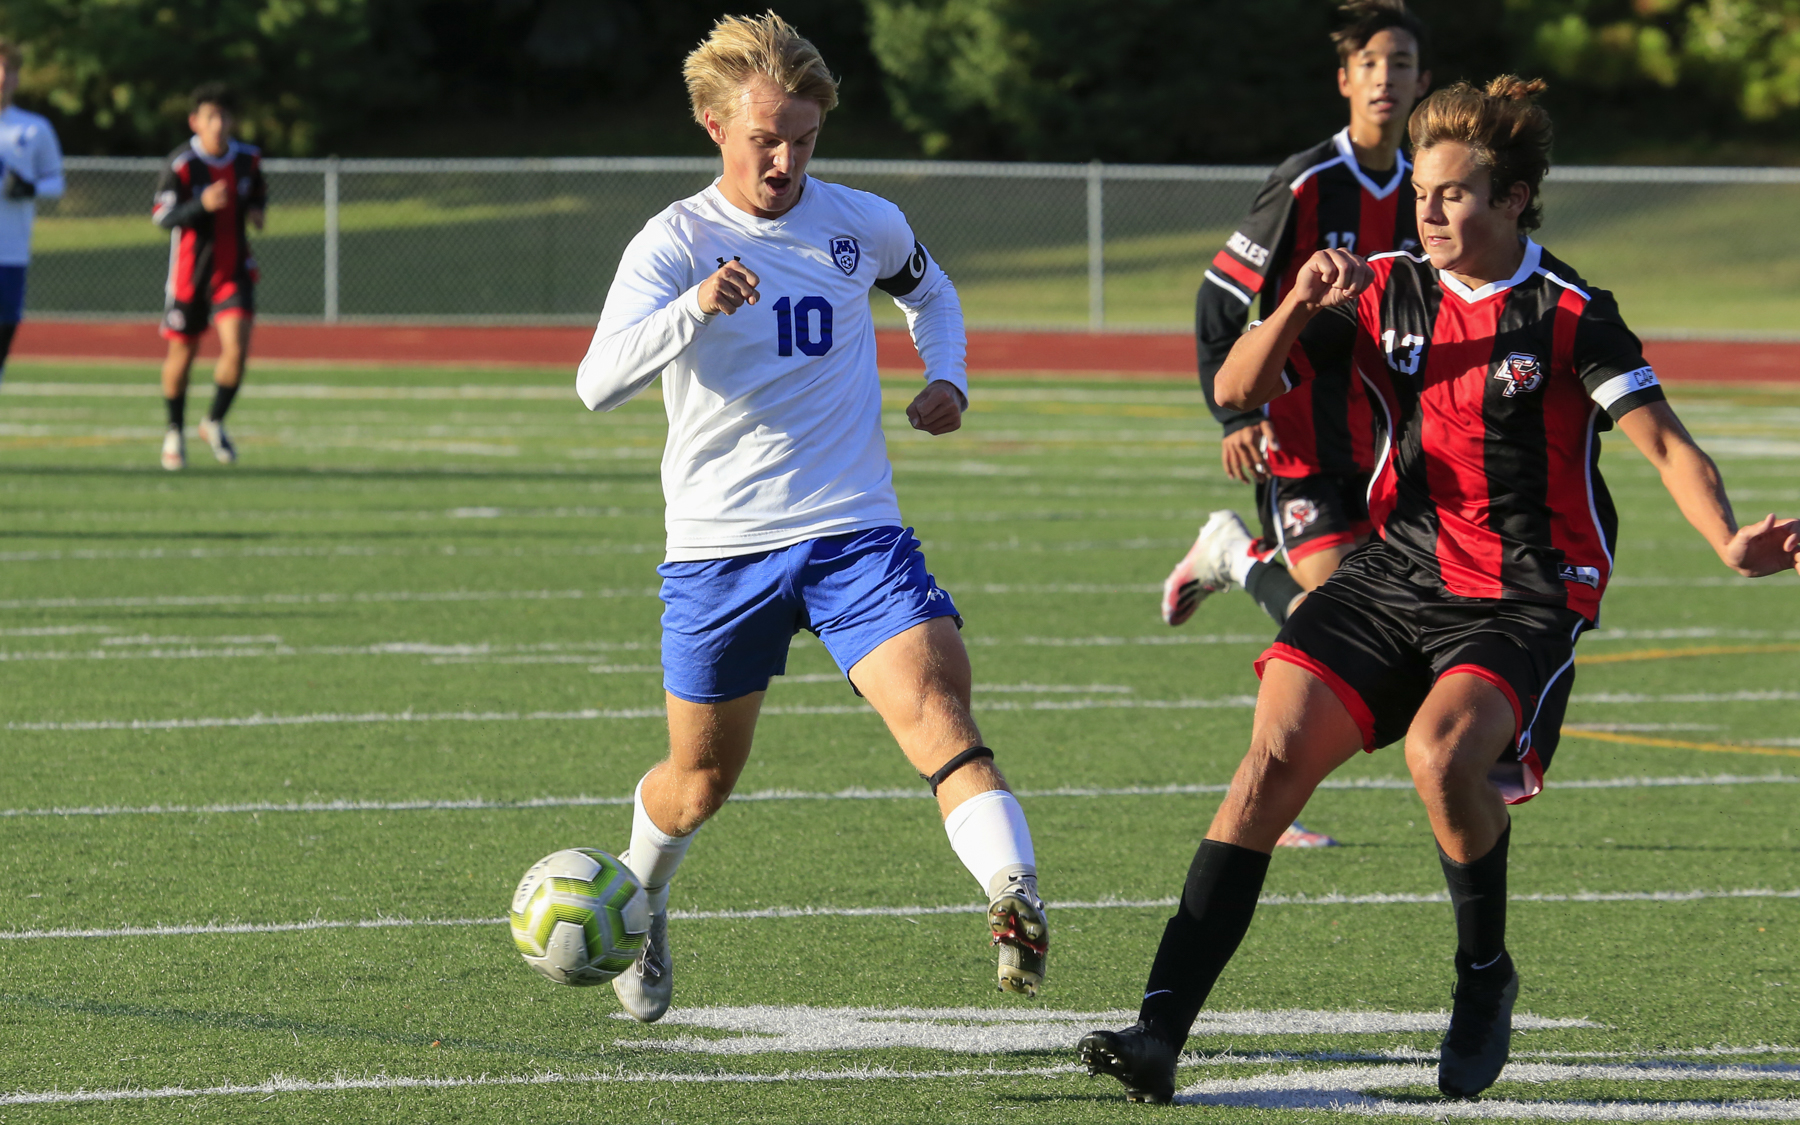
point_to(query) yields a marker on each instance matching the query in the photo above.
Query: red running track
(1113, 354)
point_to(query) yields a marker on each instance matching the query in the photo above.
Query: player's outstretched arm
(1765, 547)
(1251, 374)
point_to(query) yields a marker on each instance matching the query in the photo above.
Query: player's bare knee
(1442, 763)
(700, 796)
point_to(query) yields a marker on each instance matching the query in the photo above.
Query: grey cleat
(1135, 1057)
(214, 435)
(646, 988)
(1475, 1048)
(1022, 931)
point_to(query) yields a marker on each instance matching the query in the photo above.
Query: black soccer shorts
(1304, 515)
(209, 302)
(1382, 631)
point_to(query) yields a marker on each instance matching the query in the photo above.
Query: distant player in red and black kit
(210, 189)
(1496, 368)
(1310, 453)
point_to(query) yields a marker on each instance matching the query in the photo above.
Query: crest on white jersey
(846, 253)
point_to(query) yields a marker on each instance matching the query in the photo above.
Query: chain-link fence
(1030, 245)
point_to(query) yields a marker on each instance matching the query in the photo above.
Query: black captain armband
(936, 779)
(909, 276)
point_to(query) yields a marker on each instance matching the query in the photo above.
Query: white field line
(202, 600)
(769, 1029)
(778, 913)
(280, 1084)
(1241, 702)
(1688, 697)
(240, 647)
(310, 391)
(1328, 1089)
(237, 648)
(853, 794)
(1341, 1090)
(186, 554)
(592, 714)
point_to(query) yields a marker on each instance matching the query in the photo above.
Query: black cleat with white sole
(1144, 1063)
(1475, 1049)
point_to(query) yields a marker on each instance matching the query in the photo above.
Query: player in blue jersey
(30, 170)
(751, 301)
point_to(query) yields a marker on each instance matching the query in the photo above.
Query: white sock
(989, 834)
(654, 854)
(1242, 559)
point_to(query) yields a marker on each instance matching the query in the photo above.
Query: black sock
(6, 339)
(1478, 896)
(177, 411)
(1273, 588)
(1216, 905)
(222, 396)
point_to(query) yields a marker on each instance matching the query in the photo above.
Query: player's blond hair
(1504, 127)
(742, 48)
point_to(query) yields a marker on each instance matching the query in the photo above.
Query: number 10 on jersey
(814, 336)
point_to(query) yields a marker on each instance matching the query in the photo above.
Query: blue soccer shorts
(12, 294)
(727, 623)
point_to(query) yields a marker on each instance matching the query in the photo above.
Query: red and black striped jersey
(1315, 200)
(1493, 400)
(209, 247)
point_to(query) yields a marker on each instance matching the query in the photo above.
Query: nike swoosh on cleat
(1160, 992)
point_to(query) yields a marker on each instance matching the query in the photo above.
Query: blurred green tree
(1139, 80)
(1220, 80)
(1121, 80)
(1745, 50)
(116, 73)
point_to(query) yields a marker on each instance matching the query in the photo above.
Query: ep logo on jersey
(1298, 515)
(1520, 372)
(846, 253)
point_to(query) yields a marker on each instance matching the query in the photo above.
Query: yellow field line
(1678, 744)
(1672, 653)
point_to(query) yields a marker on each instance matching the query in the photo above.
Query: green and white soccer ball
(580, 916)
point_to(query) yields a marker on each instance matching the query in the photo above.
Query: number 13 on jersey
(812, 317)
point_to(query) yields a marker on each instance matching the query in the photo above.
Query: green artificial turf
(408, 646)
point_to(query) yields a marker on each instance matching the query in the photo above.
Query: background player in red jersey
(1310, 453)
(1496, 368)
(210, 188)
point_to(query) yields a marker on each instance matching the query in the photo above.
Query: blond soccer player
(751, 301)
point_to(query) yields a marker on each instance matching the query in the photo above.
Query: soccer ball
(580, 916)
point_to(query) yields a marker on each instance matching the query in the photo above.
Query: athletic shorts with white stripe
(1382, 631)
(1302, 516)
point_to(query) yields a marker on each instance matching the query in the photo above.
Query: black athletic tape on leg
(936, 779)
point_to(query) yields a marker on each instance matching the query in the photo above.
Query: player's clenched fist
(216, 195)
(731, 287)
(1332, 277)
(938, 409)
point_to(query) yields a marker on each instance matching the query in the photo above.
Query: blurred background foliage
(1677, 81)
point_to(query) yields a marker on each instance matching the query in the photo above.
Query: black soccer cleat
(1475, 1049)
(1135, 1057)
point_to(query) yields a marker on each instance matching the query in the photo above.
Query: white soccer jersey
(774, 411)
(28, 147)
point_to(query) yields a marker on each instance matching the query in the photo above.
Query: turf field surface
(280, 738)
